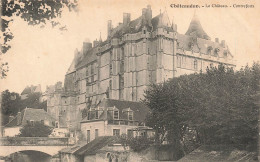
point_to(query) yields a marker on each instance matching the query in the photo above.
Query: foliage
(138, 143)
(217, 106)
(36, 130)
(38, 12)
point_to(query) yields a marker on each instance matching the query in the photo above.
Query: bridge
(50, 146)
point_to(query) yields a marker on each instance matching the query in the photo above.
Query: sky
(43, 55)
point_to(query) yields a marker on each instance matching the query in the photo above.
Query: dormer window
(130, 115)
(32, 122)
(195, 64)
(56, 124)
(96, 114)
(116, 114)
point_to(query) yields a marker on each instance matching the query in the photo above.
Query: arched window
(195, 64)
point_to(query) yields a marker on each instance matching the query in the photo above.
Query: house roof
(91, 148)
(30, 114)
(224, 153)
(139, 109)
(30, 89)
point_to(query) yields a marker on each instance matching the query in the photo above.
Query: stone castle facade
(135, 54)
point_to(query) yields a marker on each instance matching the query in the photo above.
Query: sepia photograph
(130, 81)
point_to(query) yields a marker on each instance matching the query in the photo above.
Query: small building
(28, 116)
(113, 118)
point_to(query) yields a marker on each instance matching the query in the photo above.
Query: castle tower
(196, 29)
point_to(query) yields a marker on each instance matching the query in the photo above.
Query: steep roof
(90, 148)
(28, 90)
(94, 146)
(196, 29)
(200, 45)
(139, 109)
(89, 57)
(134, 26)
(30, 114)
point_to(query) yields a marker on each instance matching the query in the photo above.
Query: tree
(36, 130)
(37, 12)
(216, 106)
(10, 105)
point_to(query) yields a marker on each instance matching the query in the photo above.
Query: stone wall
(33, 141)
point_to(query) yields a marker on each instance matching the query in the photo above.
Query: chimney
(86, 46)
(126, 18)
(144, 12)
(149, 13)
(175, 27)
(109, 28)
(216, 40)
(95, 43)
(19, 118)
(11, 117)
(223, 43)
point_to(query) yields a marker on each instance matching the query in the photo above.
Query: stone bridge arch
(50, 150)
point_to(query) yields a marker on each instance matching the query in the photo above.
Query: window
(130, 115)
(96, 114)
(130, 133)
(92, 69)
(122, 66)
(195, 64)
(116, 115)
(144, 31)
(88, 118)
(96, 133)
(116, 132)
(56, 124)
(110, 84)
(121, 87)
(110, 68)
(32, 122)
(121, 81)
(122, 53)
(88, 135)
(86, 72)
(178, 61)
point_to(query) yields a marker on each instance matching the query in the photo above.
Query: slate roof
(139, 110)
(196, 28)
(30, 114)
(223, 153)
(200, 45)
(91, 148)
(134, 26)
(29, 90)
(89, 57)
